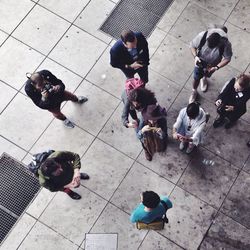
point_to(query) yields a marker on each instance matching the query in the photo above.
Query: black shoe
(84, 176)
(248, 144)
(218, 122)
(73, 195)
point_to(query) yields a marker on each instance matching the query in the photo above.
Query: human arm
(57, 84)
(167, 201)
(36, 96)
(144, 56)
(135, 214)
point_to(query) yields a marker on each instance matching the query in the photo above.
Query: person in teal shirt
(150, 208)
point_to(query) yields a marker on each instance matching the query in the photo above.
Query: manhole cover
(17, 188)
(136, 15)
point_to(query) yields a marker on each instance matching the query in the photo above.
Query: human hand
(133, 124)
(229, 108)
(145, 128)
(212, 70)
(136, 65)
(44, 94)
(175, 136)
(197, 60)
(218, 102)
(76, 177)
(56, 88)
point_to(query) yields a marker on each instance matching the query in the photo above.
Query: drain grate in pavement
(136, 15)
(17, 188)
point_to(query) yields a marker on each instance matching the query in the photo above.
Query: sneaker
(84, 176)
(193, 96)
(183, 145)
(67, 123)
(218, 122)
(204, 84)
(148, 155)
(73, 195)
(190, 148)
(82, 99)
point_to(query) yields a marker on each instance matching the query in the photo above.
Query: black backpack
(38, 159)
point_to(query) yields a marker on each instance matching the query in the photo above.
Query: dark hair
(193, 110)
(244, 80)
(48, 167)
(35, 78)
(128, 36)
(213, 40)
(143, 96)
(150, 199)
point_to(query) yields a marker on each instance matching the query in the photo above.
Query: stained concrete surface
(210, 202)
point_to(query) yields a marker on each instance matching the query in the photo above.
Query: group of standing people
(211, 50)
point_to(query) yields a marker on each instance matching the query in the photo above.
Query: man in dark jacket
(130, 54)
(231, 102)
(48, 92)
(61, 172)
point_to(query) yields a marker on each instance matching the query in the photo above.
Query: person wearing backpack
(211, 50)
(61, 172)
(152, 208)
(48, 92)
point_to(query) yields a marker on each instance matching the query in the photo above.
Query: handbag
(157, 224)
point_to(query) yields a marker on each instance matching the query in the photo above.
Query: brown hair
(128, 36)
(244, 80)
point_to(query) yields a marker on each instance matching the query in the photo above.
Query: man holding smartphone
(189, 126)
(130, 54)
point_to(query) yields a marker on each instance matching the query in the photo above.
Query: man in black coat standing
(48, 92)
(131, 55)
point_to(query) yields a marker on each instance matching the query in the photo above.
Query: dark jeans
(142, 72)
(67, 96)
(233, 116)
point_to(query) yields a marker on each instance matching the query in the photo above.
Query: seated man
(61, 172)
(48, 92)
(150, 208)
(231, 102)
(188, 128)
(130, 54)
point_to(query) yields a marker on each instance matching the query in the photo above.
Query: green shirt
(69, 161)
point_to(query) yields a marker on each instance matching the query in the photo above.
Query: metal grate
(17, 188)
(137, 15)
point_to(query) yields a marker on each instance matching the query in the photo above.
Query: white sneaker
(190, 148)
(82, 99)
(67, 123)
(203, 83)
(182, 145)
(193, 96)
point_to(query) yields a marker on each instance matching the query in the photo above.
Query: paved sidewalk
(211, 204)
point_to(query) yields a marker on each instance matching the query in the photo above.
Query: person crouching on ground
(48, 92)
(189, 126)
(61, 172)
(150, 208)
(231, 102)
(152, 130)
